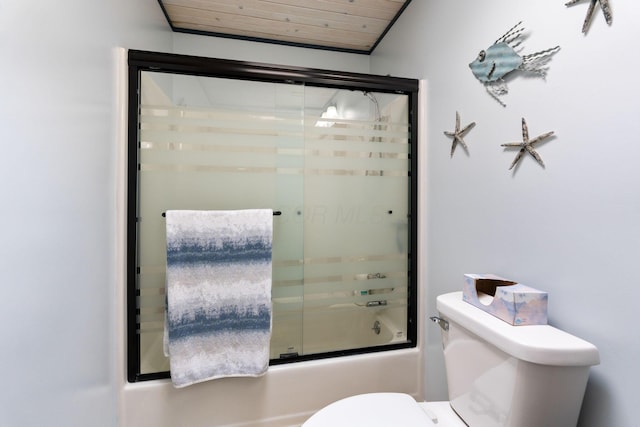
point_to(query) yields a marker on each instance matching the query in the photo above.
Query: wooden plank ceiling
(343, 25)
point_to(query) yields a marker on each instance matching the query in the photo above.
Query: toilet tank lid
(542, 344)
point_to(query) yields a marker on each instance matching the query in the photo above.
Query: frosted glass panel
(333, 163)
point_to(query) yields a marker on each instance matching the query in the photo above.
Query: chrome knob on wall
(376, 327)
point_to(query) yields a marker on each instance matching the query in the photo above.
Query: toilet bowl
(498, 375)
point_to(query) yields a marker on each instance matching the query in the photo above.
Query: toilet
(498, 375)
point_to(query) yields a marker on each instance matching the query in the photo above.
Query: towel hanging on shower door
(218, 318)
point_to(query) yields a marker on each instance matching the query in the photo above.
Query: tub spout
(376, 303)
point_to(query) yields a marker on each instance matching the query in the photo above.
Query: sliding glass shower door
(333, 163)
(356, 213)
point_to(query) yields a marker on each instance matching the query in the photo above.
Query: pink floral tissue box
(507, 300)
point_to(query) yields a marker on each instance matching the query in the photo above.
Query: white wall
(571, 228)
(57, 186)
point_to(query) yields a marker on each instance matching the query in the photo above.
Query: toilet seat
(384, 410)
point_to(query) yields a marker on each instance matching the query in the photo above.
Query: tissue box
(510, 301)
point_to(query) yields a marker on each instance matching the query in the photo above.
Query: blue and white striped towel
(218, 319)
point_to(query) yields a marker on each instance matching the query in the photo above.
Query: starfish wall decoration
(527, 145)
(604, 5)
(458, 133)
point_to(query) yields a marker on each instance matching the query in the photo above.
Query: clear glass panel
(210, 143)
(334, 163)
(356, 220)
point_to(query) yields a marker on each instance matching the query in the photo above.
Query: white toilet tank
(501, 375)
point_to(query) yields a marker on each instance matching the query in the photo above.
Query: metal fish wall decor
(503, 57)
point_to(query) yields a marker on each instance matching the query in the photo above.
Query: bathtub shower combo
(333, 154)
